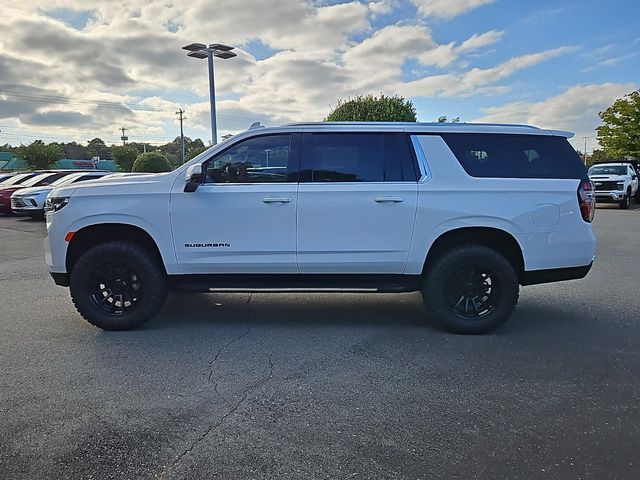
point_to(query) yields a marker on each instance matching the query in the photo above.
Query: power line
(65, 100)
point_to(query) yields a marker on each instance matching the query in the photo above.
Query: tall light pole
(219, 50)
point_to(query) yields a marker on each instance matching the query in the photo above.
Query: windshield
(67, 179)
(38, 178)
(608, 170)
(17, 179)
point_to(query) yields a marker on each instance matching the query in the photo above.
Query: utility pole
(585, 149)
(124, 138)
(181, 117)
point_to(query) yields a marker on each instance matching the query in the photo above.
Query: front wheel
(470, 289)
(626, 200)
(118, 285)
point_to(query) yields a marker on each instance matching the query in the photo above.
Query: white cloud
(443, 55)
(447, 8)
(129, 53)
(476, 79)
(576, 109)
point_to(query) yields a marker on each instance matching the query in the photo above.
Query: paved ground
(322, 386)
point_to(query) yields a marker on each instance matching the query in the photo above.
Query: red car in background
(32, 179)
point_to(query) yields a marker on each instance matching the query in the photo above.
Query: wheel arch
(495, 238)
(97, 234)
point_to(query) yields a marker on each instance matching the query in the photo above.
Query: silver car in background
(30, 201)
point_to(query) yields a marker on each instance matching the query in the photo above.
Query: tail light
(587, 200)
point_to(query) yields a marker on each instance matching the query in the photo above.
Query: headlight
(53, 204)
(620, 185)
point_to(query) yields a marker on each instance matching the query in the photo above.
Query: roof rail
(412, 124)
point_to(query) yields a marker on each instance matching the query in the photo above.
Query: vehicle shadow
(209, 312)
(289, 309)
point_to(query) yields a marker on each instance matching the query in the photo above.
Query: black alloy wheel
(470, 289)
(118, 285)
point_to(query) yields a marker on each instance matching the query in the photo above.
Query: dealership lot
(322, 385)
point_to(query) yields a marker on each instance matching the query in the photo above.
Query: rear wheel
(470, 289)
(118, 285)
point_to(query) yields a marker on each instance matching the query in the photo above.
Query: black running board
(296, 283)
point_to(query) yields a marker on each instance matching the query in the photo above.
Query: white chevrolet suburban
(463, 213)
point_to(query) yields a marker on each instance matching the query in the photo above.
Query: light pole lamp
(219, 50)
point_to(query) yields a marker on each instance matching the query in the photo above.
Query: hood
(106, 183)
(34, 190)
(8, 190)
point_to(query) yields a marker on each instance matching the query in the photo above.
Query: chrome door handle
(388, 199)
(276, 200)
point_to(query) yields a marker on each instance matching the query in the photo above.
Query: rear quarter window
(515, 156)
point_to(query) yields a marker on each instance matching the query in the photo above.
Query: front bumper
(5, 205)
(606, 197)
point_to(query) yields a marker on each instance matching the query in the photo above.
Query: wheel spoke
(117, 288)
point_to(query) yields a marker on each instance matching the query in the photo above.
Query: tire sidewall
(459, 257)
(152, 276)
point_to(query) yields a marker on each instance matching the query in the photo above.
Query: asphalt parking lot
(239, 386)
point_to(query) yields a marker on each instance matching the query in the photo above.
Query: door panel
(243, 219)
(355, 228)
(357, 203)
(239, 228)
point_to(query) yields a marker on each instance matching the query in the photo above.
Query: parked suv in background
(615, 182)
(30, 201)
(463, 213)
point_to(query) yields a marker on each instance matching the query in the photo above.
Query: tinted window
(515, 156)
(357, 157)
(256, 160)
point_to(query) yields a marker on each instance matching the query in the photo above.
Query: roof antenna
(255, 125)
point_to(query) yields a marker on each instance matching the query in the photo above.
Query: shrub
(151, 162)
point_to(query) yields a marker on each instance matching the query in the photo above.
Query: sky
(79, 69)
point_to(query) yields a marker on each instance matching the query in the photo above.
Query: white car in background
(615, 183)
(30, 201)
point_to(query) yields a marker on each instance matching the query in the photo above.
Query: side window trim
(425, 172)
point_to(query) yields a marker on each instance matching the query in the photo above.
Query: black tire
(118, 285)
(626, 200)
(482, 278)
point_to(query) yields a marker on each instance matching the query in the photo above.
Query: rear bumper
(535, 277)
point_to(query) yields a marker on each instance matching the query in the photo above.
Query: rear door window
(515, 156)
(356, 157)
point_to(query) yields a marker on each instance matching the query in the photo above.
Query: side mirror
(193, 177)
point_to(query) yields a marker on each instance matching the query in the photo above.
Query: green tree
(600, 156)
(369, 108)
(124, 156)
(40, 156)
(151, 162)
(97, 148)
(619, 135)
(194, 148)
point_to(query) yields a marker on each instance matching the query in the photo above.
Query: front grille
(605, 185)
(17, 203)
